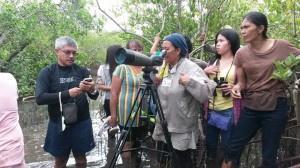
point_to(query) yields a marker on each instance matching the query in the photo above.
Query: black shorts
(79, 138)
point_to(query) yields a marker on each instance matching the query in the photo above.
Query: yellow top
(223, 103)
(163, 72)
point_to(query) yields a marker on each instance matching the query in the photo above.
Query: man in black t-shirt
(62, 83)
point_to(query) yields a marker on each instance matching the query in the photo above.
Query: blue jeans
(212, 133)
(272, 124)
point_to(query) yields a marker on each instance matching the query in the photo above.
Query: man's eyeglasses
(68, 52)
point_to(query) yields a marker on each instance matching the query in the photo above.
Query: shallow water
(34, 122)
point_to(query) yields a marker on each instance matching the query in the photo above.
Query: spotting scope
(129, 57)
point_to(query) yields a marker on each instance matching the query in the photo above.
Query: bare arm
(103, 87)
(241, 85)
(207, 47)
(101, 80)
(155, 43)
(115, 91)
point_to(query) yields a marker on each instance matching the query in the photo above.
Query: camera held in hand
(219, 85)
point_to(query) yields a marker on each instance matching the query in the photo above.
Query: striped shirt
(131, 81)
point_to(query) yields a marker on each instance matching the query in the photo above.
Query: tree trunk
(179, 16)
(296, 97)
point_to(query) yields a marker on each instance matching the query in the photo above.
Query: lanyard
(218, 65)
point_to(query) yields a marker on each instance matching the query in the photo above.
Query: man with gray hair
(62, 87)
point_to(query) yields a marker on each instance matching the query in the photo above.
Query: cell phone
(88, 79)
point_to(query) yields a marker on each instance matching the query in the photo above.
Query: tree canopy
(28, 28)
(192, 17)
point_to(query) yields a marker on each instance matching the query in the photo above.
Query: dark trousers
(272, 124)
(212, 134)
(183, 158)
(106, 107)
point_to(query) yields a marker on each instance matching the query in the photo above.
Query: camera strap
(60, 104)
(63, 126)
(218, 65)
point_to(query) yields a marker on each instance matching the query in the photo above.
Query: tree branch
(206, 20)
(124, 30)
(294, 21)
(2, 38)
(163, 20)
(15, 53)
(288, 160)
(179, 16)
(200, 8)
(196, 50)
(110, 17)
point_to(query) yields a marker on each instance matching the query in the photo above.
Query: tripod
(146, 89)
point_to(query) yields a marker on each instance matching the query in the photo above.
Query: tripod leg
(164, 125)
(130, 120)
(163, 160)
(170, 152)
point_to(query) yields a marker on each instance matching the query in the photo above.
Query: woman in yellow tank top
(222, 71)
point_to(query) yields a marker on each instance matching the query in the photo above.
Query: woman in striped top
(126, 81)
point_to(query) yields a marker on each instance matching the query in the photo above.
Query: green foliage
(198, 16)
(93, 46)
(281, 15)
(286, 68)
(148, 16)
(28, 31)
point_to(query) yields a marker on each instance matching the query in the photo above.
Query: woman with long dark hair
(266, 105)
(105, 72)
(222, 71)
